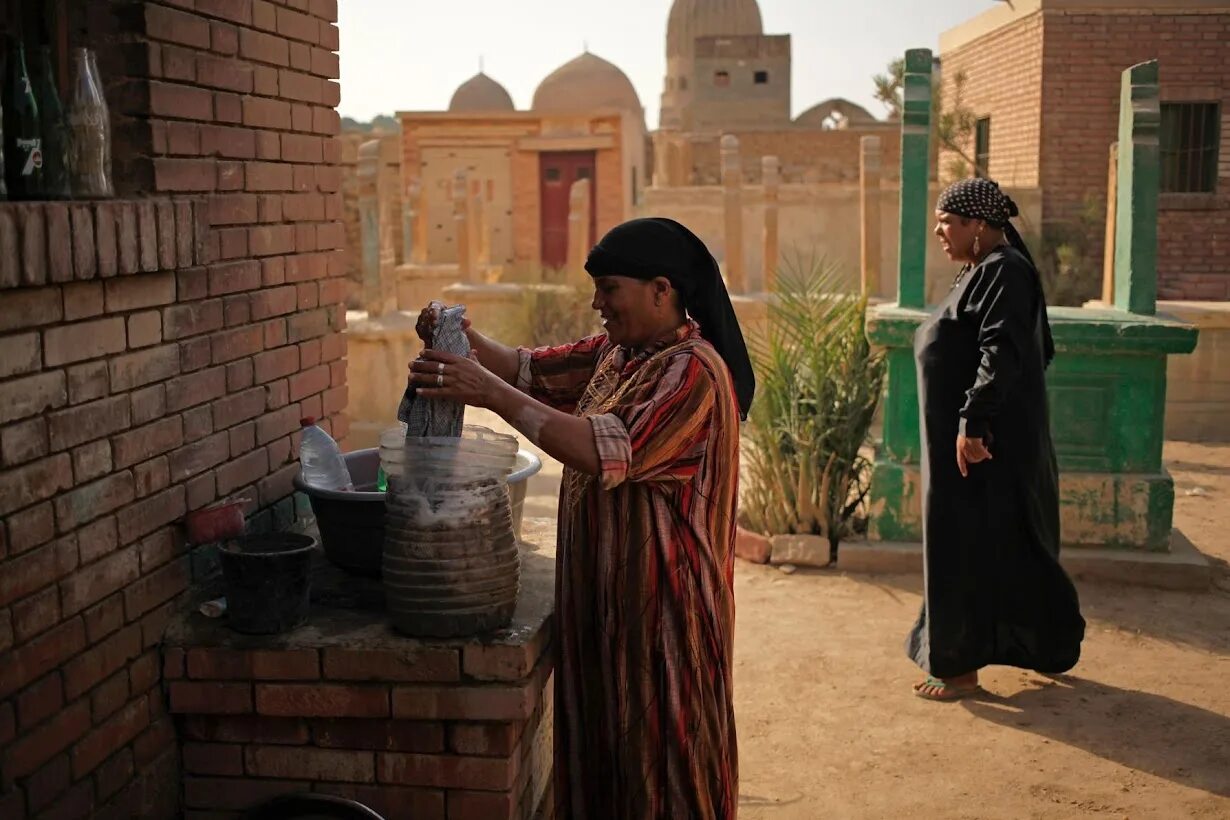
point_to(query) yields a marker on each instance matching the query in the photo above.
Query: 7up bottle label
(32, 152)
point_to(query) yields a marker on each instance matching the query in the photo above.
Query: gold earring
(977, 245)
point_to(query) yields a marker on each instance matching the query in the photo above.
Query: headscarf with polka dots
(979, 198)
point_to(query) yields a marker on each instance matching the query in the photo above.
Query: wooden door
(557, 171)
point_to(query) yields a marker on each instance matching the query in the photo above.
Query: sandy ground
(1140, 729)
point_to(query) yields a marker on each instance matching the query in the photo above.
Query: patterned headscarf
(978, 198)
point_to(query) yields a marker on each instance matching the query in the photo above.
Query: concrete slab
(1184, 567)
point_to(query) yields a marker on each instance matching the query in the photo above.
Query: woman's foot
(943, 689)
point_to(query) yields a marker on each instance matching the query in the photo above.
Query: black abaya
(994, 590)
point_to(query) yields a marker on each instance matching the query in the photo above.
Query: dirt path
(1140, 730)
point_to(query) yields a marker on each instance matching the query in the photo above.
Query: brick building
(1043, 78)
(156, 353)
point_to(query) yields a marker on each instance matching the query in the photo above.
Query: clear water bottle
(320, 459)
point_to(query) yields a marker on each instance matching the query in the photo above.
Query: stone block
(800, 550)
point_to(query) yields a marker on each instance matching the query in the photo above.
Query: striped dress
(644, 718)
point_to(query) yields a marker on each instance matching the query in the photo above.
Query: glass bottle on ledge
(89, 125)
(56, 184)
(23, 141)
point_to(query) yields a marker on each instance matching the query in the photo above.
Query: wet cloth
(438, 417)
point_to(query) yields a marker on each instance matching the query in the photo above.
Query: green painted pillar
(915, 165)
(1139, 180)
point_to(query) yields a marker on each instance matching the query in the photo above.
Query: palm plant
(819, 385)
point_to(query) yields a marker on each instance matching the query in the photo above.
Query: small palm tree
(819, 387)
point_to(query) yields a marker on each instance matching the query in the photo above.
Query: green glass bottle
(23, 140)
(56, 184)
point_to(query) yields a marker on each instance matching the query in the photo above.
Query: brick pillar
(869, 214)
(915, 137)
(461, 226)
(578, 226)
(771, 174)
(369, 224)
(1139, 176)
(732, 187)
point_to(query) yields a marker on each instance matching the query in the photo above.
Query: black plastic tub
(268, 581)
(351, 523)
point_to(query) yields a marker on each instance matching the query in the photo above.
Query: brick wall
(1003, 72)
(809, 156)
(157, 355)
(1083, 59)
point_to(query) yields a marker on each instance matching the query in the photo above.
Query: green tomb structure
(1107, 385)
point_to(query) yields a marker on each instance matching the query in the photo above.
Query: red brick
(180, 101)
(294, 85)
(243, 438)
(156, 588)
(177, 64)
(325, 64)
(271, 207)
(309, 354)
(36, 614)
(223, 38)
(143, 673)
(36, 569)
(37, 747)
(275, 334)
(236, 344)
(127, 237)
(181, 321)
(194, 354)
(10, 246)
(484, 739)
(331, 93)
(269, 176)
(232, 242)
(280, 484)
(234, 277)
(259, 112)
(92, 500)
(238, 407)
(40, 700)
(83, 300)
(239, 374)
(271, 240)
(87, 422)
(192, 697)
(149, 514)
(166, 238)
(174, 174)
(30, 528)
(273, 272)
(88, 669)
(151, 476)
(464, 702)
(30, 307)
(138, 292)
(105, 618)
(98, 580)
(482, 773)
(242, 471)
(309, 382)
(230, 75)
(232, 143)
(113, 775)
(33, 245)
(336, 400)
(108, 738)
(176, 27)
(145, 367)
(87, 382)
(308, 294)
(23, 442)
(191, 284)
(304, 175)
(59, 253)
(151, 743)
(307, 267)
(196, 458)
(184, 138)
(48, 783)
(144, 443)
(201, 491)
(97, 540)
(147, 234)
(224, 759)
(264, 48)
(246, 729)
(38, 657)
(327, 122)
(316, 764)
(282, 664)
(144, 329)
(91, 461)
(321, 700)
(324, 9)
(84, 340)
(309, 325)
(158, 549)
(105, 239)
(109, 696)
(379, 735)
(300, 56)
(277, 424)
(195, 388)
(274, 364)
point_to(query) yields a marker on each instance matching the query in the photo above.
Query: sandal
(947, 691)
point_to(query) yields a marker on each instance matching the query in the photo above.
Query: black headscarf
(978, 198)
(982, 199)
(648, 248)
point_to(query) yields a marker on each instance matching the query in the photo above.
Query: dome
(586, 83)
(844, 111)
(480, 93)
(709, 18)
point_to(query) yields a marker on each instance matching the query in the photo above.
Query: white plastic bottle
(320, 459)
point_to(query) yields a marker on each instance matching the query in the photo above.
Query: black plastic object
(311, 806)
(351, 523)
(267, 581)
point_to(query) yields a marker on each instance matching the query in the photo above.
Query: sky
(410, 55)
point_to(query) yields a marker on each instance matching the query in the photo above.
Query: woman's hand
(428, 317)
(970, 451)
(440, 375)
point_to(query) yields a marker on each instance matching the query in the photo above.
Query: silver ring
(440, 368)
(439, 381)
